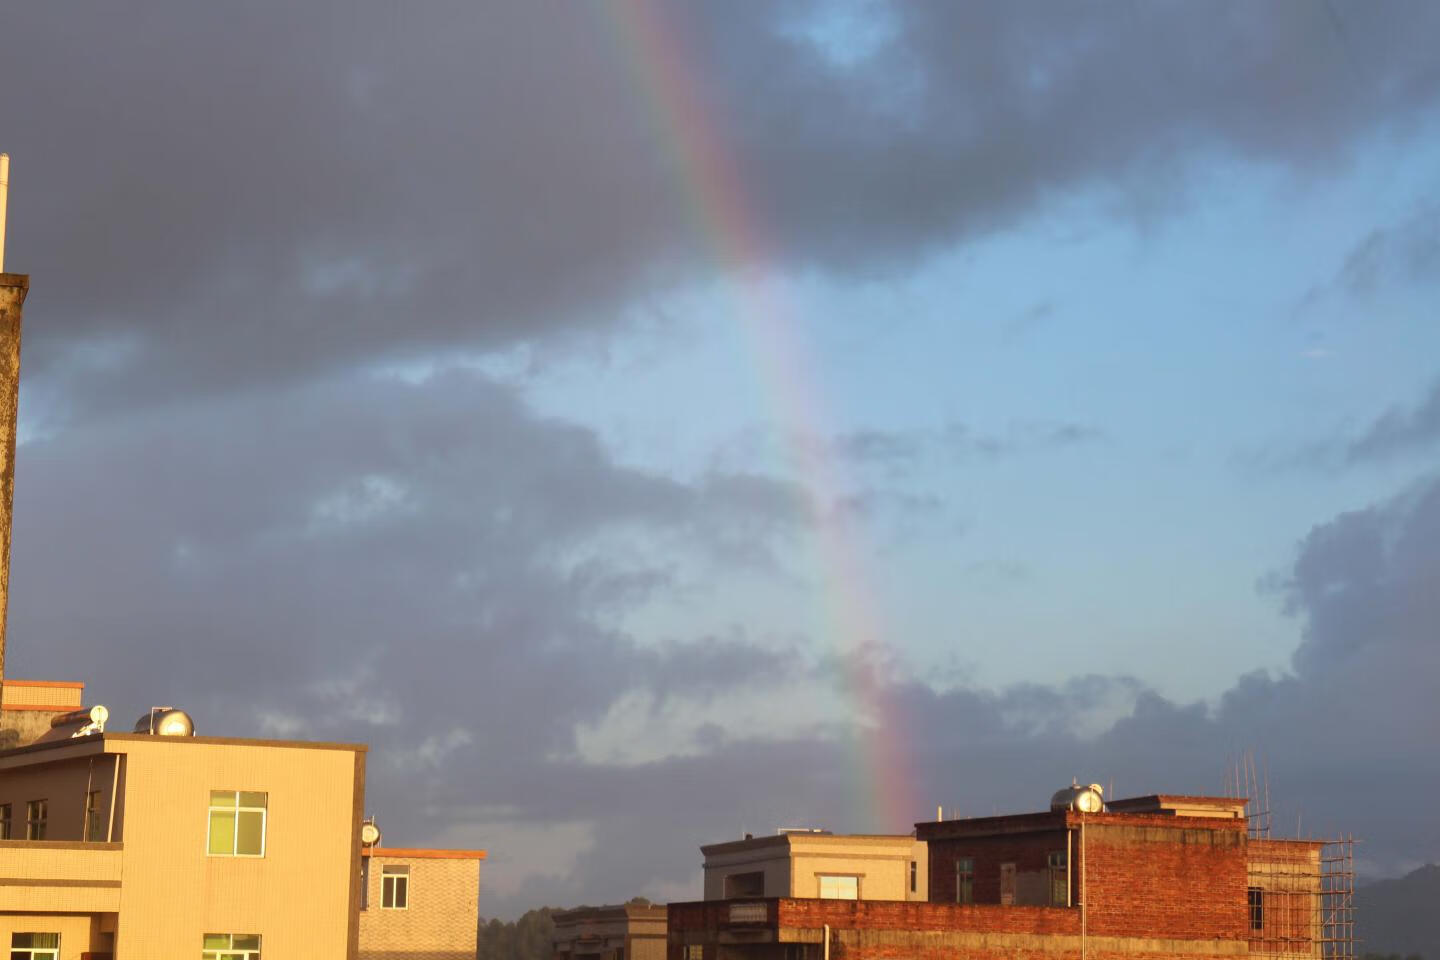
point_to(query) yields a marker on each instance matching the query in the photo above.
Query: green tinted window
(237, 823)
(222, 832)
(250, 834)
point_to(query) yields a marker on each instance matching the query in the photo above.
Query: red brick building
(1145, 878)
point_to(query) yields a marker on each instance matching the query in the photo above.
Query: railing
(753, 912)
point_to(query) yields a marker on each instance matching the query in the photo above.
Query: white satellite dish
(369, 833)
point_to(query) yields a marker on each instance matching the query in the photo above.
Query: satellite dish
(98, 715)
(369, 833)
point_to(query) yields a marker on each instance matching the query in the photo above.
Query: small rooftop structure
(625, 931)
(817, 864)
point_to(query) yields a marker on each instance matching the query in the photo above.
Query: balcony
(51, 876)
(751, 911)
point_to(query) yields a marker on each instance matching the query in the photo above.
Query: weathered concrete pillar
(13, 288)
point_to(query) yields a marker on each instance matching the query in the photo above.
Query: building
(629, 931)
(816, 863)
(419, 904)
(1142, 878)
(135, 845)
(28, 706)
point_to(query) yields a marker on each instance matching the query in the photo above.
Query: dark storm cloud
(391, 552)
(254, 191)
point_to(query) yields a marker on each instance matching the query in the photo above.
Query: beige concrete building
(817, 864)
(420, 904)
(135, 845)
(629, 931)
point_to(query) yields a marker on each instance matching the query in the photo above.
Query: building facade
(28, 706)
(419, 904)
(809, 863)
(629, 931)
(1147, 878)
(145, 846)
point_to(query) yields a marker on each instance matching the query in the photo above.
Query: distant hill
(1400, 916)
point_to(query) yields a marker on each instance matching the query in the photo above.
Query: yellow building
(810, 863)
(136, 845)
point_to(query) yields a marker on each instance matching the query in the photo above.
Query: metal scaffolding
(1301, 890)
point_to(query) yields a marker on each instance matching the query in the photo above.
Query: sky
(644, 423)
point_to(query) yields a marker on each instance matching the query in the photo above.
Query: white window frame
(230, 952)
(396, 872)
(34, 953)
(236, 810)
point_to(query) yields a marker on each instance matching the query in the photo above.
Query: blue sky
(1205, 350)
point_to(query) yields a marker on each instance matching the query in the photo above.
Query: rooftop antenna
(4, 194)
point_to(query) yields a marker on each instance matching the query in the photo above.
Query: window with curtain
(34, 946)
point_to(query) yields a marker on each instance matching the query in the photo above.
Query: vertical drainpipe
(13, 288)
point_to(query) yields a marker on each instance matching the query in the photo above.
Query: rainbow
(662, 69)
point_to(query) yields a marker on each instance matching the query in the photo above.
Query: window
(694, 951)
(394, 888)
(914, 875)
(745, 885)
(839, 888)
(237, 823)
(965, 880)
(1257, 908)
(1059, 879)
(4, 821)
(37, 814)
(34, 946)
(231, 946)
(1007, 884)
(94, 825)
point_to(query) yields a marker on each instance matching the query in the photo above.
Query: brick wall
(440, 919)
(1028, 851)
(794, 929)
(1165, 877)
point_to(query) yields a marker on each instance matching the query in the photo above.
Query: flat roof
(68, 684)
(613, 911)
(808, 839)
(101, 742)
(418, 853)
